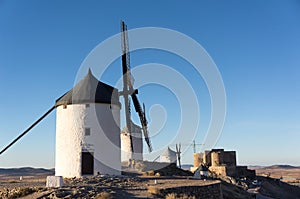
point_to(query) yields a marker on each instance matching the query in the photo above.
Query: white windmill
(88, 124)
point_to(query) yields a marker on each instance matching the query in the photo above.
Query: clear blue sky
(255, 44)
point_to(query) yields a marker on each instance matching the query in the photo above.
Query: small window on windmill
(87, 132)
(64, 106)
(87, 105)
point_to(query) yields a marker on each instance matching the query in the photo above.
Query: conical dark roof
(169, 153)
(90, 90)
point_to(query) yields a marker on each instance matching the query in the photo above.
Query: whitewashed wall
(71, 141)
(168, 156)
(168, 159)
(137, 144)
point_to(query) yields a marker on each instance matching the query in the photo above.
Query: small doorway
(87, 163)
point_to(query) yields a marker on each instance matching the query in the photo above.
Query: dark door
(87, 163)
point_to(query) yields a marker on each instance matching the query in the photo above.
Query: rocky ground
(100, 187)
(149, 185)
(286, 173)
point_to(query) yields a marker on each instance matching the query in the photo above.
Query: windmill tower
(87, 130)
(137, 139)
(168, 156)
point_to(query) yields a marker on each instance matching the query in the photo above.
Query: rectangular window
(87, 105)
(87, 132)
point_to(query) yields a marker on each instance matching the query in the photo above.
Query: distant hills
(281, 167)
(274, 167)
(279, 172)
(29, 171)
(26, 171)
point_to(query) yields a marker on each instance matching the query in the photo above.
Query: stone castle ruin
(222, 163)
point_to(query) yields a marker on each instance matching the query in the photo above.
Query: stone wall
(217, 157)
(231, 170)
(243, 171)
(219, 170)
(207, 158)
(229, 158)
(198, 159)
(212, 191)
(222, 163)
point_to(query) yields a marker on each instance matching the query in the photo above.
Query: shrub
(180, 196)
(153, 190)
(104, 195)
(150, 173)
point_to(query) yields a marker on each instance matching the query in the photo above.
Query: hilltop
(137, 186)
(287, 173)
(281, 167)
(25, 171)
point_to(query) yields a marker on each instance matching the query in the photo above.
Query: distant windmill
(178, 153)
(129, 91)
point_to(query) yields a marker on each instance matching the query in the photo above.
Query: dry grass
(13, 181)
(153, 190)
(104, 195)
(26, 179)
(140, 166)
(181, 196)
(170, 196)
(22, 191)
(150, 173)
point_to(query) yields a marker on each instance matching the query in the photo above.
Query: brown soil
(277, 172)
(90, 187)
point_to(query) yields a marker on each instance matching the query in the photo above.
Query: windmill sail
(178, 152)
(143, 120)
(128, 90)
(126, 78)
